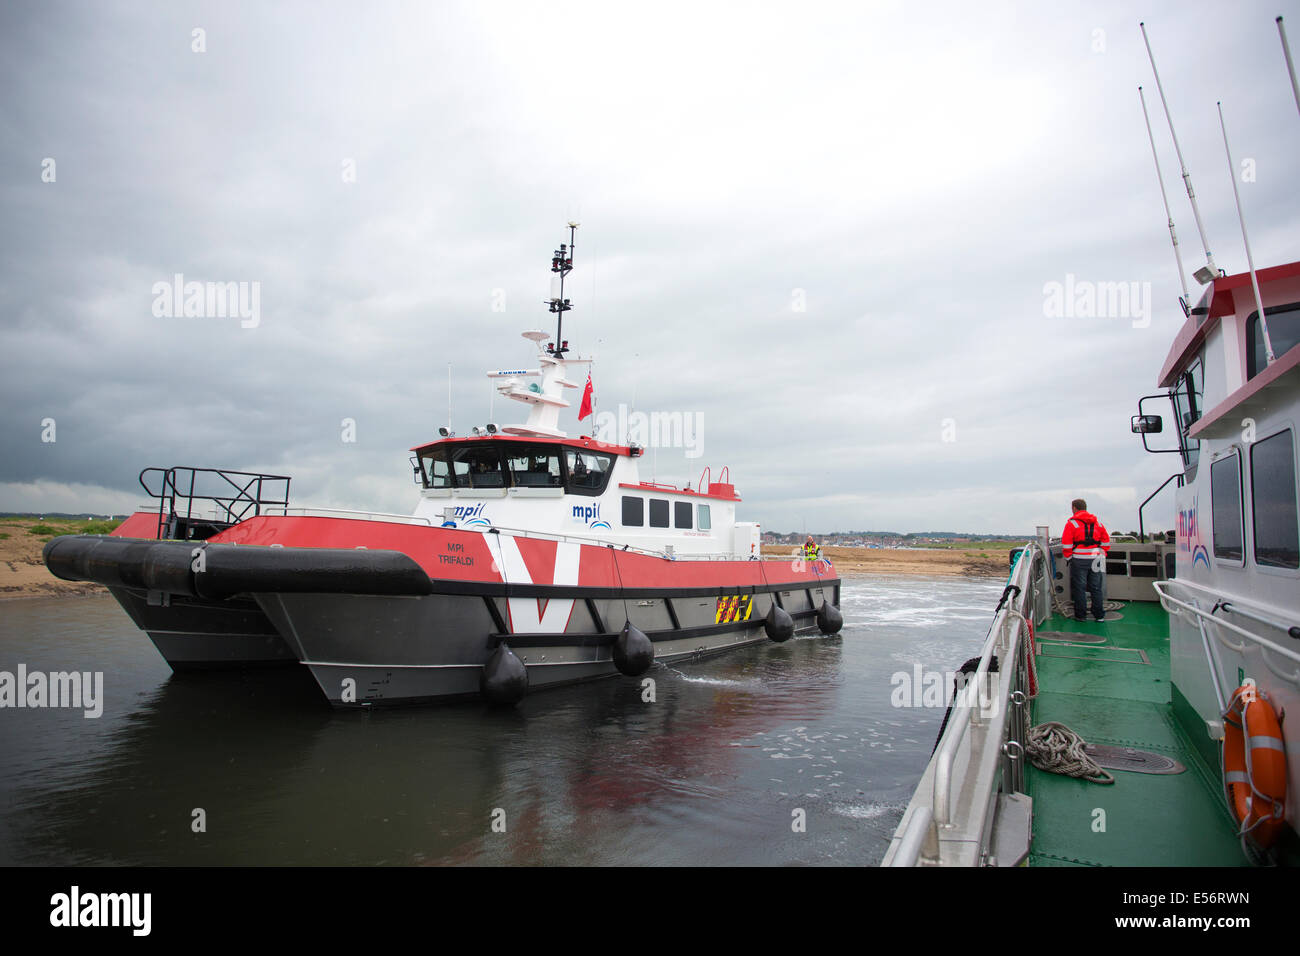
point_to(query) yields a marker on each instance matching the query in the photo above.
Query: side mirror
(1146, 424)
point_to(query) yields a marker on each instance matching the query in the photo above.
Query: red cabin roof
(582, 441)
(1222, 301)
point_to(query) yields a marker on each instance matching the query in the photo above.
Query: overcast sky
(824, 231)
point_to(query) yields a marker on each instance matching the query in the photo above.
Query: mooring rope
(1056, 748)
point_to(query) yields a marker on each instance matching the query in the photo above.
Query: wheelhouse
(499, 463)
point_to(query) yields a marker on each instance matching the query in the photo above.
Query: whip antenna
(1209, 270)
(1290, 65)
(1173, 236)
(1250, 262)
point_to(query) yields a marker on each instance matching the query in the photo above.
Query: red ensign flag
(585, 408)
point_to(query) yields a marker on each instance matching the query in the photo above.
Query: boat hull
(366, 650)
(195, 634)
(413, 614)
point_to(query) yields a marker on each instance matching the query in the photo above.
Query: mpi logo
(590, 516)
(471, 515)
(1189, 535)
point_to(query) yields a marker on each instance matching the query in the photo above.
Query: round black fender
(504, 679)
(778, 624)
(633, 651)
(829, 618)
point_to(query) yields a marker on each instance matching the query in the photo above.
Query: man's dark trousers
(1085, 582)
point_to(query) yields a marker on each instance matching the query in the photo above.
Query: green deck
(1150, 820)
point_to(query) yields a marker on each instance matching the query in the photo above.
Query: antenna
(448, 396)
(1250, 262)
(1290, 66)
(562, 265)
(1209, 271)
(1173, 236)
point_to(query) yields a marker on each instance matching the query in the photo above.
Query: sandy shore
(979, 561)
(23, 574)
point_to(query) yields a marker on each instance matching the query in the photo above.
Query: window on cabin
(588, 471)
(633, 511)
(433, 463)
(476, 466)
(1273, 502)
(1283, 333)
(658, 513)
(533, 466)
(1225, 507)
(1187, 397)
(681, 514)
(703, 523)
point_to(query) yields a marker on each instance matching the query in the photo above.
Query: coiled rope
(1056, 748)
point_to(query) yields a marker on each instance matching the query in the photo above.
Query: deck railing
(1233, 605)
(183, 494)
(983, 740)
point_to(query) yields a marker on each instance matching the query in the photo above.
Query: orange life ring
(1254, 765)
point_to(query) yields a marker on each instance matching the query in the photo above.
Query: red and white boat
(532, 559)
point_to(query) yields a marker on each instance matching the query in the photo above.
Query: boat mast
(1250, 261)
(1173, 236)
(1210, 270)
(562, 265)
(1290, 66)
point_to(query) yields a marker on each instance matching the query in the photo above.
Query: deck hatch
(1136, 761)
(1070, 637)
(1082, 652)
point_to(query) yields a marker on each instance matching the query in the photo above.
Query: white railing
(1230, 605)
(347, 514)
(921, 840)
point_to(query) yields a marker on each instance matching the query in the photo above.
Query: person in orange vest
(1085, 544)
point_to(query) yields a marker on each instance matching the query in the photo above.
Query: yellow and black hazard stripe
(734, 607)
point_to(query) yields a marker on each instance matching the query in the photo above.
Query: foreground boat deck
(1107, 695)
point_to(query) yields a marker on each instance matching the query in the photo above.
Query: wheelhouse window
(587, 471)
(633, 511)
(681, 514)
(476, 465)
(1283, 333)
(1187, 408)
(1225, 506)
(703, 513)
(1273, 501)
(434, 468)
(533, 466)
(658, 513)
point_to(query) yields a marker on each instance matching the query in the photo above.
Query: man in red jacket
(1085, 544)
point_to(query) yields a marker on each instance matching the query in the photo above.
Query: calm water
(709, 773)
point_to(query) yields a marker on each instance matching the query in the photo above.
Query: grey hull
(368, 649)
(193, 633)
